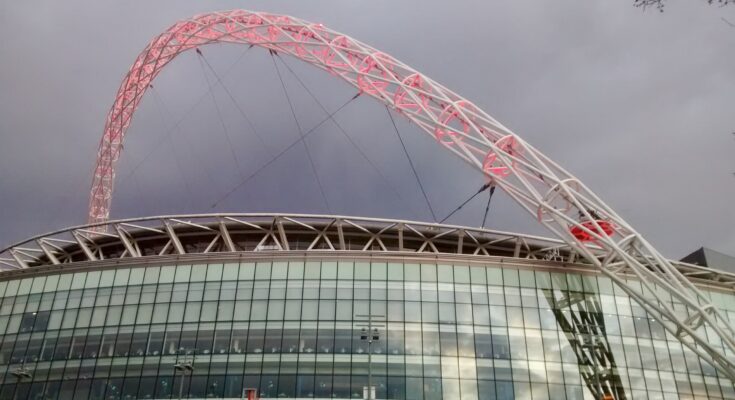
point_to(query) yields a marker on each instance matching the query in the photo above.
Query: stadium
(300, 306)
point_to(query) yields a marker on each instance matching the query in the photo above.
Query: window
(214, 272)
(412, 311)
(27, 322)
(176, 312)
(183, 273)
(429, 312)
(461, 274)
(209, 311)
(395, 271)
(225, 310)
(247, 271)
(428, 273)
(296, 270)
(329, 270)
(136, 276)
(151, 275)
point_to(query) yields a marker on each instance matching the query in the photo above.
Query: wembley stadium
(297, 306)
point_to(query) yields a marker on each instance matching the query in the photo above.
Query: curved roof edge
(260, 232)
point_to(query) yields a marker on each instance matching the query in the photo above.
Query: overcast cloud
(639, 105)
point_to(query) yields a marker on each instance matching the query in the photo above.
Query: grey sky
(639, 105)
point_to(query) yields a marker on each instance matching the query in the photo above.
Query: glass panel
(362, 270)
(428, 273)
(121, 277)
(446, 273)
(167, 274)
(151, 275)
(183, 273)
(39, 283)
(395, 271)
(527, 279)
(247, 271)
(136, 276)
(262, 271)
(295, 270)
(214, 272)
(478, 275)
(379, 271)
(329, 270)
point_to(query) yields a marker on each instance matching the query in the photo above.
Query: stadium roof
(165, 238)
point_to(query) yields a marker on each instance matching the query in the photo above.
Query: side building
(710, 258)
(323, 307)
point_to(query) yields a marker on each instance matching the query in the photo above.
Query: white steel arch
(552, 195)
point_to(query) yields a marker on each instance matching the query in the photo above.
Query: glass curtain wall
(290, 330)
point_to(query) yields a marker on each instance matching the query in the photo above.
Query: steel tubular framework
(552, 195)
(227, 233)
(206, 234)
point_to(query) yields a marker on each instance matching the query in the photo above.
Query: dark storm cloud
(639, 105)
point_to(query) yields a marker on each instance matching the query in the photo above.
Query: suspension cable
(137, 185)
(482, 189)
(301, 133)
(159, 104)
(415, 174)
(176, 125)
(487, 208)
(284, 151)
(343, 131)
(219, 113)
(179, 168)
(221, 82)
(162, 105)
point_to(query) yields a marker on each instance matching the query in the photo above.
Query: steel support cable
(135, 182)
(219, 114)
(301, 133)
(284, 151)
(343, 131)
(482, 189)
(221, 82)
(487, 207)
(176, 126)
(137, 185)
(189, 192)
(134, 179)
(162, 106)
(410, 162)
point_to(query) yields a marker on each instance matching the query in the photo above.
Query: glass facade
(289, 329)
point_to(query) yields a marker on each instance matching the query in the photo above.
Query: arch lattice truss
(552, 195)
